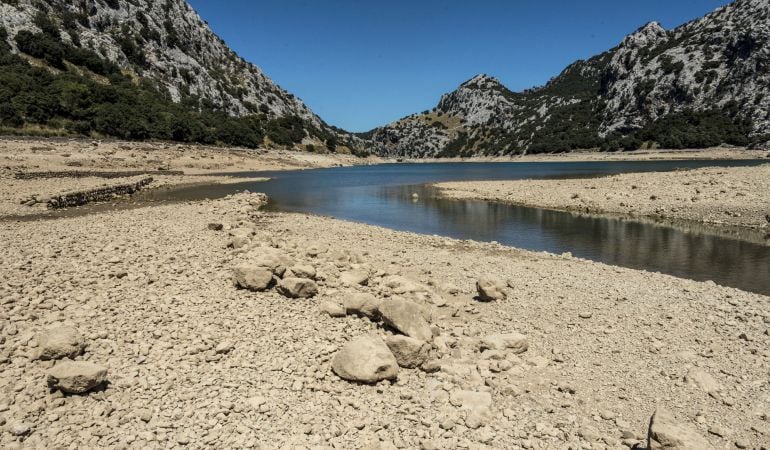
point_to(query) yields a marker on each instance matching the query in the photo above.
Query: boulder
(490, 289)
(303, 271)
(297, 287)
(701, 379)
(333, 309)
(253, 277)
(401, 285)
(366, 360)
(362, 304)
(359, 277)
(511, 342)
(76, 377)
(60, 342)
(407, 318)
(665, 433)
(20, 429)
(409, 352)
(477, 404)
(277, 263)
(224, 347)
(240, 238)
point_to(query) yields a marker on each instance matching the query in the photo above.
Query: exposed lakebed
(383, 195)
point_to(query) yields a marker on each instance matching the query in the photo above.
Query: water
(382, 195)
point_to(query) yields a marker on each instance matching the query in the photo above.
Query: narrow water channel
(382, 195)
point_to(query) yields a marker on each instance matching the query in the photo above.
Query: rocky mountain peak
(649, 34)
(482, 81)
(708, 79)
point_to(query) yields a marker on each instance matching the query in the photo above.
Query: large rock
(358, 277)
(407, 318)
(409, 352)
(362, 304)
(241, 237)
(273, 260)
(297, 287)
(253, 277)
(366, 360)
(477, 404)
(510, 342)
(490, 289)
(666, 433)
(401, 285)
(76, 377)
(333, 309)
(700, 378)
(303, 271)
(61, 342)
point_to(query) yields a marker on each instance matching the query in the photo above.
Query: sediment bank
(722, 197)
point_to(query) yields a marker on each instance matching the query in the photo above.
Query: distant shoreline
(728, 199)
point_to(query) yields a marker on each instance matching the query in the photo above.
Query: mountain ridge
(166, 50)
(705, 88)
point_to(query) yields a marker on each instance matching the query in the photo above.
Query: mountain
(164, 49)
(704, 83)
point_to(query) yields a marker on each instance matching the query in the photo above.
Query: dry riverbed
(572, 354)
(738, 197)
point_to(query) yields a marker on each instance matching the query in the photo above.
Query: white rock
(362, 304)
(253, 277)
(358, 277)
(304, 271)
(700, 378)
(224, 347)
(490, 289)
(407, 318)
(478, 405)
(76, 377)
(409, 352)
(297, 287)
(60, 342)
(511, 342)
(366, 359)
(667, 434)
(333, 309)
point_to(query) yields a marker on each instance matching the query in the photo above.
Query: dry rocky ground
(737, 196)
(212, 324)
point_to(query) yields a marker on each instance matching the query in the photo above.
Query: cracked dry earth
(193, 361)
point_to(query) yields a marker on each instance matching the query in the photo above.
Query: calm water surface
(382, 195)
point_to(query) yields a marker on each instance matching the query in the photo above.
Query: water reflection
(630, 243)
(382, 195)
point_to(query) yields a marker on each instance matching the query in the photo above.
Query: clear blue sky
(361, 64)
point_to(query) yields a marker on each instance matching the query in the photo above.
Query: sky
(360, 64)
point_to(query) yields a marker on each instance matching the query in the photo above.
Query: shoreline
(722, 198)
(156, 304)
(200, 164)
(717, 153)
(210, 164)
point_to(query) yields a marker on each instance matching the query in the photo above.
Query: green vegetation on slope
(78, 92)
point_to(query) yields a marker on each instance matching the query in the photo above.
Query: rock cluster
(99, 194)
